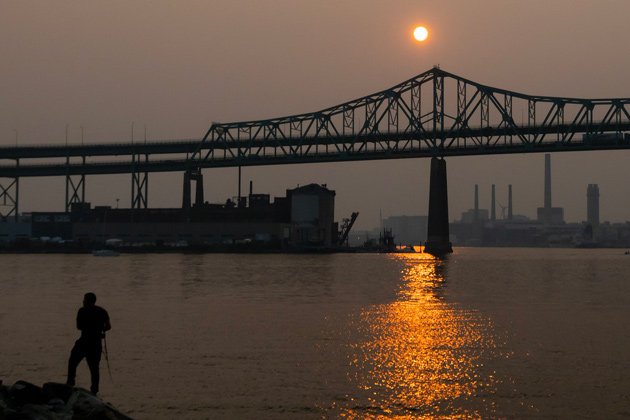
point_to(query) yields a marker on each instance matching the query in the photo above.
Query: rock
(4, 396)
(56, 405)
(38, 412)
(9, 414)
(54, 401)
(6, 403)
(23, 392)
(89, 407)
(57, 390)
(4, 410)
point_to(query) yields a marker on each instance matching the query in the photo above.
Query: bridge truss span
(434, 114)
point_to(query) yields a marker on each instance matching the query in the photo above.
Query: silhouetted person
(93, 321)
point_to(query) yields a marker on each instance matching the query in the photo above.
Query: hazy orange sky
(177, 66)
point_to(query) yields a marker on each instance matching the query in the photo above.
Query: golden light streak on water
(422, 356)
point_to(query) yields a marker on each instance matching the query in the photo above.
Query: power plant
(482, 227)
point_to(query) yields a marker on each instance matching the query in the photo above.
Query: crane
(346, 225)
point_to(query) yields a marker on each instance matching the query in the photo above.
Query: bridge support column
(9, 194)
(75, 188)
(438, 243)
(75, 191)
(9, 197)
(139, 185)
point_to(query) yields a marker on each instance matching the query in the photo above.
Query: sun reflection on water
(422, 356)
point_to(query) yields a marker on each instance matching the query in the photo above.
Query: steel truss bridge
(435, 114)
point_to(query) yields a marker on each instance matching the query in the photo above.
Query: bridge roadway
(301, 150)
(416, 118)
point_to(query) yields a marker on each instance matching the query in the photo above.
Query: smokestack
(548, 183)
(493, 212)
(476, 202)
(510, 202)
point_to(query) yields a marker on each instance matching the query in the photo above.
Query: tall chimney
(548, 184)
(476, 202)
(493, 212)
(510, 202)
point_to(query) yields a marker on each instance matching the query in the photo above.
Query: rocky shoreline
(53, 401)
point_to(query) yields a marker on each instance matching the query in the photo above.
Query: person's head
(89, 299)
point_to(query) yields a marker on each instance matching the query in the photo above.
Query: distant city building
(476, 212)
(408, 230)
(493, 201)
(510, 210)
(592, 204)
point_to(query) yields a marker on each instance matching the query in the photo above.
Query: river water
(486, 333)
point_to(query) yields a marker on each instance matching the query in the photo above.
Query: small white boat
(105, 253)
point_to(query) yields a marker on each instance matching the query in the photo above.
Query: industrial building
(312, 216)
(304, 219)
(482, 227)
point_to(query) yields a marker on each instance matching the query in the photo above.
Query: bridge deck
(433, 114)
(316, 151)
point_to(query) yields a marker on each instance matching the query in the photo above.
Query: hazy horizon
(176, 67)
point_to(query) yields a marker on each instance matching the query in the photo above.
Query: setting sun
(420, 33)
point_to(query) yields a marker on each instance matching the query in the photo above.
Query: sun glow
(420, 33)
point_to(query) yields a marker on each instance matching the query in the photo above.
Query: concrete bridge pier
(438, 243)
